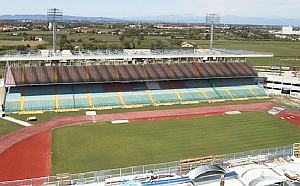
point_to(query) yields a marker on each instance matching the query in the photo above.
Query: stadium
(195, 109)
(40, 88)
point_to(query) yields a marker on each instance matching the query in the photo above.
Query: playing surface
(103, 146)
(7, 127)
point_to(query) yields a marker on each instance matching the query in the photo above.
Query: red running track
(13, 141)
(291, 116)
(30, 157)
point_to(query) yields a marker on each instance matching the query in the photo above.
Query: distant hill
(65, 17)
(227, 19)
(186, 18)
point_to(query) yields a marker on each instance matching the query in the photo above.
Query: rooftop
(131, 53)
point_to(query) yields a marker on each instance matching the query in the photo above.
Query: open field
(46, 116)
(279, 48)
(285, 52)
(15, 43)
(103, 146)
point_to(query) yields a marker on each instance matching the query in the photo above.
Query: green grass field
(15, 43)
(7, 127)
(103, 146)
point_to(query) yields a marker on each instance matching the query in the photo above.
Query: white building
(289, 30)
(285, 84)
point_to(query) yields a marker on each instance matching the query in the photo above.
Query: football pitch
(103, 146)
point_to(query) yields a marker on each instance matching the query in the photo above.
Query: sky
(143, 8)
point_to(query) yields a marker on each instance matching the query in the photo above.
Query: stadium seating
(192, 95)
(223, 94)
(40, 104)
(241, 93)
(38, 98)
(107, 101)
(90, 87)
(259, 92)
(89, 96)
(13, 97)
(162, 96)
(137, 99)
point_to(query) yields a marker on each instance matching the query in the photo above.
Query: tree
(65, 44)
(122, 37)
(159, 44)
(40, 47)
(127, 43)
(21, 48)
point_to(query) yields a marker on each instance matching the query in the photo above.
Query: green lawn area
(15, 43)
(7, 127)
(278, 48)
(46, 116)
(104, 146)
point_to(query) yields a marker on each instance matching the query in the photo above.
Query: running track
(14, 139)
(292, 116)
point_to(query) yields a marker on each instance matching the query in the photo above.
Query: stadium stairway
(204, 94)
(250, 90)
(121, 98)
(228, 92)
(89, 97)
(149, 93)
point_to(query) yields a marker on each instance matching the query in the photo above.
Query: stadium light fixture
(54, 15)
(212, 19)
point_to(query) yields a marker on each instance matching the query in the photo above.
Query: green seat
(33, 105)
(66, 103)
(259, 92)
(165, 98)
(212, 95)
(82, 102)
(12, 106)
(241, 93)
(111, 101)
(137, 99)
(192, 96)
(223, 94)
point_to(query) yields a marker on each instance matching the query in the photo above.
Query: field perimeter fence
(175, 167)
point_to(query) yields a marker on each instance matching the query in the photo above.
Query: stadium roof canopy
(44, 55)
(46, 75)
(202, 170)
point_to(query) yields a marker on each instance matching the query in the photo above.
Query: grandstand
(63, 88)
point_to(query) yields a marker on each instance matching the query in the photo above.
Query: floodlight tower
(54, 15)
(212, 19)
